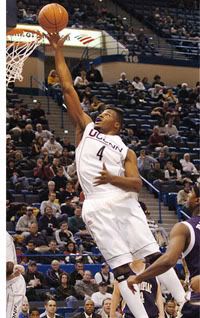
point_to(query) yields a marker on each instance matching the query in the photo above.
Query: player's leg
(133, 300)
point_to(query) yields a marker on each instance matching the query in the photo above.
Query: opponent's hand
(132, 280)
(55, 40)
(105, 177)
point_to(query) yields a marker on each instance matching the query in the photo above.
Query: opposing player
(15, 283)
(108, 174)
(185, 239)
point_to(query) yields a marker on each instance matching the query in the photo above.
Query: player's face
(106, 121)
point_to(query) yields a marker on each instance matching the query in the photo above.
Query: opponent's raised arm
(70, 95)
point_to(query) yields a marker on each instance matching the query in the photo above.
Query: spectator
(89, 310)
(182, 198)
(159, 232)
(52, 203)
(187, 166)
(40, 132)
(25, 221)
(105, 311)
(171, 173)
(68, 206)
(86, 287)
(155, 92)
(145, 162)
(34, 280)
(53, 253)
(65, 291)
(53, 274)
(53, 80)
(170, 308)
(172, 131)
(48, 222)
(137, 83)
(48, 190)
(123, 81)
(105, 276)
(162, 158)
(156, 175)
(37, 114)
(24, 309)
(40, 170)
(34, 312)
(183, 93)
(37, 145)
(173, 157)
(39, 239)
(76, 223)
(77, 274)
(156, 141)
(53, 147)
(69, 191)
(60, 179)
(102, 294)
(63, 235)
(33, 255)
(27, 135)
(81, 81)
(157, 81)
(146, 83)
(65, 159)
(50, 309)
(94, 75)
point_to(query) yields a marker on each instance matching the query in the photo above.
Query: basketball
(53, 18)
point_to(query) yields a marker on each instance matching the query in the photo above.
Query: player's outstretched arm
(70, 95)
(177, 244)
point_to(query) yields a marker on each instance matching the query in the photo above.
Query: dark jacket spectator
(53, 274)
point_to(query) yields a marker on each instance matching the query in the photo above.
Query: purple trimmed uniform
(148, 292)
(192, 258)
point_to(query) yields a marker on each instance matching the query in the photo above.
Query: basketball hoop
(20, 43)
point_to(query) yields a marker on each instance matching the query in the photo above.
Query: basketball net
(20, 43)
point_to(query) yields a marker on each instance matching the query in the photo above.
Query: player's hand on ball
(55, 40)
(105, 177)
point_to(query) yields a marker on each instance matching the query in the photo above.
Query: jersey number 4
(100, 152)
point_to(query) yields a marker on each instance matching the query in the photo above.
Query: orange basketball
(53, 17)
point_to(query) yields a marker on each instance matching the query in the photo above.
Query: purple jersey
(148, 293)
(191, 254)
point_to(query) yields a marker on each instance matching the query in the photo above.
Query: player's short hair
(119, 112)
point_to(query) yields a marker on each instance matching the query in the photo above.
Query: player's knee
(152, 258)
(122, 272)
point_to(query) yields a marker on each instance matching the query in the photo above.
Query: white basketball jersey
(95, 149)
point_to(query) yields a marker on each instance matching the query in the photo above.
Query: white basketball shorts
(15, 292)
(119, 227)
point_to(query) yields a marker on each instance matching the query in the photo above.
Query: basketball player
(15, 283)
(108, 174)
(185, 239)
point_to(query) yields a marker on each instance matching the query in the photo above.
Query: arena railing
(44, 89)
(159, 198)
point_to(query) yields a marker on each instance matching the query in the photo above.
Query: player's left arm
(178, 240)
(130, 182)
